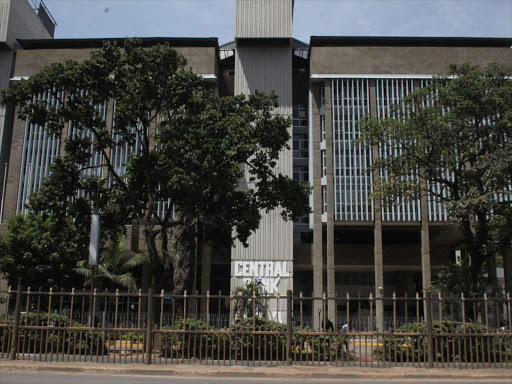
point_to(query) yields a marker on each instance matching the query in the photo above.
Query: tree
(452, 141)
(41, 251)
(187, 149)
(252, 302)
(112, 267)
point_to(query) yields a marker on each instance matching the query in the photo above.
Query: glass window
(300, 147)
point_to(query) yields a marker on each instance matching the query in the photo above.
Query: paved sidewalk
(257, 372)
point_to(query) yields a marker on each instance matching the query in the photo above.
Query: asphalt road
(51, 378)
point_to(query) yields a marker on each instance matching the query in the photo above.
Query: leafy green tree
(456, 279)
(188, 149)
(41, 251)
(453, 138)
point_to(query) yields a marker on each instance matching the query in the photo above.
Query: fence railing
(159, 328)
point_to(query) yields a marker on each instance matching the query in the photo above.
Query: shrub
(184, 345)
(401, 348)
(54, 341)
(240, 343)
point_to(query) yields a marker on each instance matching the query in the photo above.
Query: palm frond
(136, 261)
(85, 272)
(126, 280)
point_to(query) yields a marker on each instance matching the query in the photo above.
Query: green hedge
(185, 345)
(414, 348)
(53, 340)
(243, 345)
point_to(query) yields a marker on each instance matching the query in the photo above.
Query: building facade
(18, 20)
(350, 243)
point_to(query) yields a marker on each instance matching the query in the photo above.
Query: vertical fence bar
(428, 312)
(149, 327)
(289, 309)
(509, 313)
(15, 328)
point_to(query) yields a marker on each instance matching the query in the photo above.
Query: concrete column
(317, 249)
(331, 282)
(13, 176)
(206, 265)
(377, 234)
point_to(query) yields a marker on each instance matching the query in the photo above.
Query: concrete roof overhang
(98, 42)
(327, 41)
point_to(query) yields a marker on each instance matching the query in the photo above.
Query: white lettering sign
(268, 272)
(260, 269)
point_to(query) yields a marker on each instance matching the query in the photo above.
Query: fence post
(149, 327)
(289, 310)
(15, 328)
(428, 313)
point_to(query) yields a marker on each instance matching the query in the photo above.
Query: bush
(183, 345)
(241, 344)
(408, 348)
(54, 341)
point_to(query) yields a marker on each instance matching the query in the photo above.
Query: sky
(215, 18)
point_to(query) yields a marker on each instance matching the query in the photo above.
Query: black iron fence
(159, 328)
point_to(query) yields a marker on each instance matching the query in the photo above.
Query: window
(322, 126)
(324, 199)
(324, 163)
(301, 173)
(300, 146)
(300, 115)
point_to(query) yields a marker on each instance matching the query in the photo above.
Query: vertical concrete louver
(266, 66)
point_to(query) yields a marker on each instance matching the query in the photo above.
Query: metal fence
(120, 327)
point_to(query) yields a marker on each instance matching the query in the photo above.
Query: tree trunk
(507, 268)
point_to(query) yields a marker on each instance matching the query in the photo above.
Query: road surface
(52, 378)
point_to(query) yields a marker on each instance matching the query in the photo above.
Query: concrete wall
(202, 60)
(401, 60)
(17, 21)
(24, 23)
(267, 68)
(5, 5)
(263, 18)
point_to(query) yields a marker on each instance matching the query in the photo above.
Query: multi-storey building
(20, 19)
(350, 243)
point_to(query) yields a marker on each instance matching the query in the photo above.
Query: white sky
(215, 18)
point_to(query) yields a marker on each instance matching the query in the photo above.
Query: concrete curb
(262, 372)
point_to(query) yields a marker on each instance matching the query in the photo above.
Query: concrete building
(18, 20)
(350, 243)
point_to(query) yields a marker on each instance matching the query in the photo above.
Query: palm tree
(252, 303)
(112, 268)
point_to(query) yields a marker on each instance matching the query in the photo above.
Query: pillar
(377, 234)
(316, 171)
(331, 283)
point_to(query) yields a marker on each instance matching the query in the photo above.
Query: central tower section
(263, 61)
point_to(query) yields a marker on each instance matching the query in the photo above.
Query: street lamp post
(94, 245)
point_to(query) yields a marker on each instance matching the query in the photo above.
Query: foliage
(451, 140)
(456, 279)
(402, 348)
(179, 345)
(55, 341)
(242, 344)
(252, 301)
(41, 251)
(111, 267)
(187, 148)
